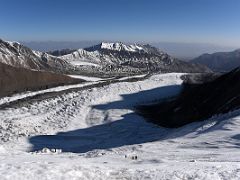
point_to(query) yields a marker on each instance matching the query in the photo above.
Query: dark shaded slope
(14, 80)
(197, 102)
(61, 52)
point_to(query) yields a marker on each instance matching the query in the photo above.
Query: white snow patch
(82, 63)
(131, 77)
(87, 78)
(118, 46)
(2, 150)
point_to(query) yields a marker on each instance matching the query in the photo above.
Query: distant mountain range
(111, 59)
(221, 61)
(119, 58)
(25, 66)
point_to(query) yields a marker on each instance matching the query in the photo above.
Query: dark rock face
(220, 62)
(197, 101)
(14, 80)
(61, 52)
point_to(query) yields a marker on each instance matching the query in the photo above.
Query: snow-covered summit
(117, 46)
(121, 47)
(13, 43)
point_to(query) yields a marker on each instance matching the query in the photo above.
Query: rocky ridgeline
(117, 58)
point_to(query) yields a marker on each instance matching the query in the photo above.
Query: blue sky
(191, 21)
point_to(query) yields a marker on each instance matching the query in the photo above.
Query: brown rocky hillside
(13, 80)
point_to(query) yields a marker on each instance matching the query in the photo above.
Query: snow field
(99, 133)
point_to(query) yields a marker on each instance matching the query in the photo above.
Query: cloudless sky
(194, 21)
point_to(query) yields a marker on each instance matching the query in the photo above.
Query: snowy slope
(100, 126)
(82, 57)
(17, 55)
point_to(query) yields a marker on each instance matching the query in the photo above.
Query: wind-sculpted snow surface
(101, 137)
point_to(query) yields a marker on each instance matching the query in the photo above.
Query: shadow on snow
(130, 129)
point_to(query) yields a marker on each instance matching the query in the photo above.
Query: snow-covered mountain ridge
(118, 57)
(17, 55)
(118, 46)
(103, 60)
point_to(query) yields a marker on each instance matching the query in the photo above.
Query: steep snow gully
(95, 134)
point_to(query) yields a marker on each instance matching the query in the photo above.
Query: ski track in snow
(19, 96)
(86, 78)
(99, 134)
